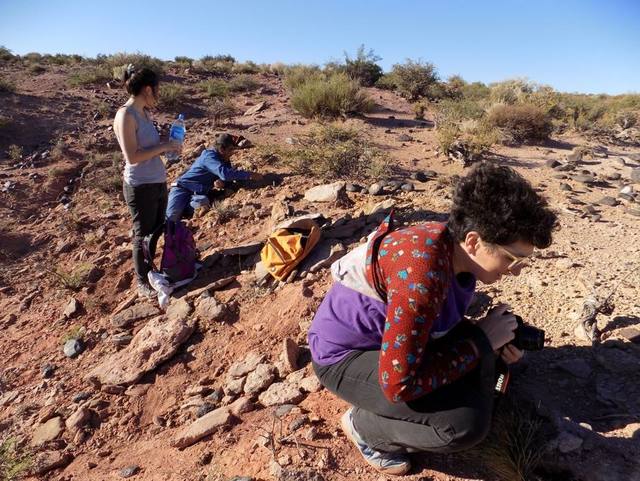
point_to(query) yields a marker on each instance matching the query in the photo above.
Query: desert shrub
(414, 78)
(278, 68)
(386, 82)
(107, 176)
(74, 279)
(330, 98)
(243, 83)
(511, 91)
(15, 152)
(32, 57)
(6, 86)
(334, 152)
(218, 58)
(215, 64)
(139, 60)
(214, 88)
(172, 95)
(363, 67)
(14, 462)
(74, 332)
(89, 76)
(521, 122)
(37, 69)
(296, 75)
(247, 67)
(419, 109)
(6, 55)
(455, 111)
(63, 59)
(183, 61)
(626, 119)
(476, 91)
(455, 86)
(222, 111)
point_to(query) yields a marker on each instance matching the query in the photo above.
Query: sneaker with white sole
(146, 291)
(387, 463)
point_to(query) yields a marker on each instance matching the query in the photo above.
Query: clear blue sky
(585, 46)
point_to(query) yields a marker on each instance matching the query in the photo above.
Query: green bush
(387, 82)
(247, 67)
(215, 64)
(184, 61)
(334, 152)
(32, 57)
(215, 88)
(172, 95)
(89, 76)
(15, 152)
(330, 98)
(14, 463)
(63, 59)
(413, 79)
(243, 83)
(218, 58)
(511, 91)
(521, 122)
(296, 75)
(36, 69)
(75, 279)
(362, 67)
(222, 110)
(476, 91)
(138, 60)
(6, 55)
(6, 86)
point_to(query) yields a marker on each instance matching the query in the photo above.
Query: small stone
(121, 339)
(608, 200)
(81, 396)
(634, 212)
(565, 187)
(48, 371)
(129, 316)
(310, 384)
(78, 419)
(281, 393)
(48, 431)
(584, 179)
(634, 175)
(627, 189)
(290, 353)
(72, 309)
(282, 411)
(419, 177)
(376, 189)
(129, 471)
(73, 347)
(207, 424)
(408, 187)
(248, 364)
(354, 187)
(241, 406)
(47, 461)
(260, 379)
(326, 193)
(235, 386)
(204, 409)
(614, 176)
(552, 163)
(564, 264)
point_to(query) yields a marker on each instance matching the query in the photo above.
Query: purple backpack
(179, 254)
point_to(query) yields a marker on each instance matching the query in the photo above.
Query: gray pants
(147, 204)
(452, 418)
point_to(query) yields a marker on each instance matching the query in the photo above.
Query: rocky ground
(96, 384)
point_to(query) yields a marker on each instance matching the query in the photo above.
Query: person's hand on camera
(511, 354)
(498, 325)
(218, 184)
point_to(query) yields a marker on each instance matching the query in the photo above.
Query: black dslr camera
(528, 338)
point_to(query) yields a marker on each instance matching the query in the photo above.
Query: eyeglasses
(517, 262)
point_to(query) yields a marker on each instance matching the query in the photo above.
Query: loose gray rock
(405, 138)
(634, 175)
(48, 431)
(129, 471)
(260, 379)
(245, 366)
(282, 411)
(126, 318)
(634, 212)
(419, 177)
(354, 188)
(204, 409)
(121, 339)
(584, 179)
(48, 371)
(376, 189)
(393, 185)
(565, 187)
(208, 309)
(627, 189)
(234, 386)
(608, 200)
(408, 187)
(207, 424)
(78, 419)
(326, 193)
(73, 347)
(281, 393)
(614, 176)
(72, 309)
(81, 396)
(551, 163)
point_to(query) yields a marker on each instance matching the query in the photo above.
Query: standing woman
(144, 186)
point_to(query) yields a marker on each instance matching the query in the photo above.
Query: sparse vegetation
(14, 463)
(296, 75)
(215, 64)
(215, 88)
(222, 111)
(363, 67)
(74, 332)
(184, 62)
(329, 98)
(75, 279)
(89, 76)
(172, 95)
(36, 69)
(15, 152)
(58, 149)
(138, 60)
(334, 152)
(521, 122)
(6, 86)
(6, 55)
(414, 79)
(247, 67)
(224, 211)
(243, 83)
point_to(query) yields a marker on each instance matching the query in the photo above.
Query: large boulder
(155, 343)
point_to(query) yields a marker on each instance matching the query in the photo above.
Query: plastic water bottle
(176, 134)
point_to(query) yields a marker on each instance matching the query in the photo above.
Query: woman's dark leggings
(451, 418)
(147, 204)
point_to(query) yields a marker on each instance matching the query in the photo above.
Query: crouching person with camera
(390, 338)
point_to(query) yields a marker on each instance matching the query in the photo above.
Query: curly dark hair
(502, 206)
(135, 80)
